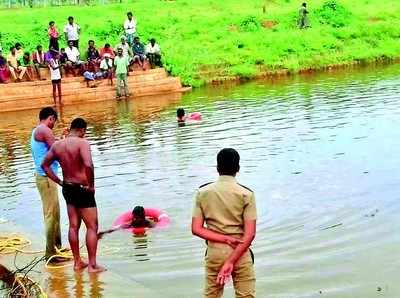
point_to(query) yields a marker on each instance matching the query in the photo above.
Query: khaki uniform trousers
(51, 213)
(242, 275)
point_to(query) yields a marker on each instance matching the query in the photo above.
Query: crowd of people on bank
(104, 62)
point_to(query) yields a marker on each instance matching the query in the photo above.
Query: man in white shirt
(153, 53)
(72, 31)
(130, 28)
(126, 49)
(73, 59)
(106, 68)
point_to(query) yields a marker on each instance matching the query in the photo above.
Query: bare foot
(80, 266)
(96, 269)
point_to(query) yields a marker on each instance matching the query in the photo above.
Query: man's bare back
(73, 154)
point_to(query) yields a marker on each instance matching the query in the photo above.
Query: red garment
(38, 58)
(53, 33)
(4, 74)
(107, 51)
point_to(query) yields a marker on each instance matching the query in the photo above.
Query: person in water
(180, 115)
(139, 220)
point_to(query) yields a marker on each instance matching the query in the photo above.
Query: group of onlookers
(100, 63)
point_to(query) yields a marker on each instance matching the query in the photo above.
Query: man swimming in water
(139, 220)
(73, 154)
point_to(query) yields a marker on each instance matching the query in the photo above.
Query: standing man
(121, 68)
(229, 211)
(71, 32)
(130, 28)
(73, 154)
(303, 21)
(41, 141)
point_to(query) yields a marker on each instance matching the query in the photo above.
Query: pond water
(320, 152)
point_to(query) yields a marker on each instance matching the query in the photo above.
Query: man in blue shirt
(138, 52)
(41, 141)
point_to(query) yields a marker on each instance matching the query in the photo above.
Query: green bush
(334, 14)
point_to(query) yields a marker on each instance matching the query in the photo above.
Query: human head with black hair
(51, 23)
(138, 217)
(78, 126)
(136, 40)
(39, 48)
(228, 162)
(107, 46)
(91, 43)
(304, 4)
(71, 20)
(18, 46)
(180, 114)
(153, 41)
(48, 116)
(129, 15)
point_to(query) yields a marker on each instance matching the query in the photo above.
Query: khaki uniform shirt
(225, 205)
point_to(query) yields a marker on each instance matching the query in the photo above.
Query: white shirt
(72, 31)
(72, 54)
(125, 49)
(55, 74)
(105, 65)
(152, 50)
(130, 26)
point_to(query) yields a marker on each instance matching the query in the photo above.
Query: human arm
(249, 232)
(86, 156)
(66, 33)
(44, 134)
(109, 231)
(199, 230)
(46, 166)
(248, 237)
(51, 64)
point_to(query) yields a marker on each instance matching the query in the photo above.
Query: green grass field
(204, 40)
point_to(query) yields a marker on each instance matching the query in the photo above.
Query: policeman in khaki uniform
(229, 211)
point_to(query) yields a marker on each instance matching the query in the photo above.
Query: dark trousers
(54, 44)
(75, 43)
(155, 60)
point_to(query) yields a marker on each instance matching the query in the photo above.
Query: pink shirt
(53, 33)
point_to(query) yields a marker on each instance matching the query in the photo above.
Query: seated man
(126, 50)
(153, 52)
(19, 51)
(27, 62)
(90, 79)
(14, 65)
(93, 57)
(107, 50)
(73, 64)
(138, 52)
(106, 67)
(38, 58)
(4, 72)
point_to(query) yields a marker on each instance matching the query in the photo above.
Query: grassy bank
(205, 40)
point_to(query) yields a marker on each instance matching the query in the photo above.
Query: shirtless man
(73, 154)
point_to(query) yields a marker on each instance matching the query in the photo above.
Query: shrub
(334, 14)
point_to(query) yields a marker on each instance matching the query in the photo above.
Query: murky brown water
(320, 152)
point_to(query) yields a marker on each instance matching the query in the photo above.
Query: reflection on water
(319, 151)
(140, 243)
(66, 283)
